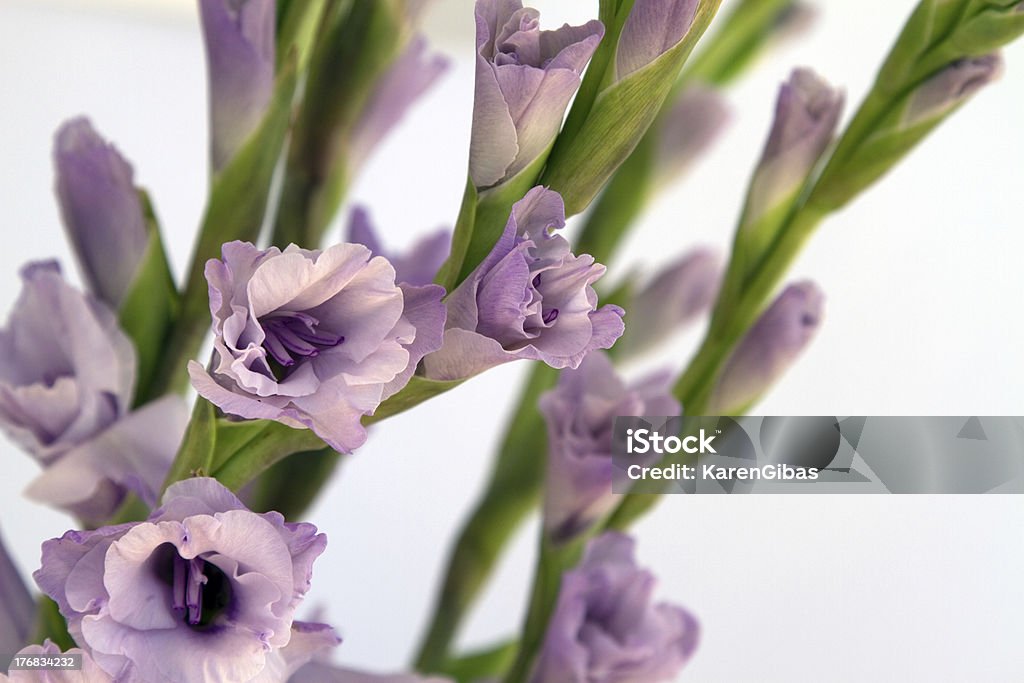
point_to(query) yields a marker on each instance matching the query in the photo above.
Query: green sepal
(448, 275)
(271, 442)
(493, 208)
(418, 390)
(151, 305)
(51, 625)
(196, 454)
(583, 160)
(297, 24)
(620, 203)
(486, 664)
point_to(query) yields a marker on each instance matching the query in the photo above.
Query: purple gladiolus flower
(688, 130)
(66, 384)
(525, 78)
(411, 75)
(239, 37)
(313, 339)
(204, 590)
(530, 298)
(89, 673)
(101, 208)
(604, 628)
(419, 265)
(316, 672)
(653, 28)
(806, 115)
(769, 348)
(580, 413)
(952, 86)
(18, 610)
(674, 298)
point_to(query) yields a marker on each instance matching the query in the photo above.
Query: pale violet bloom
(652, 28)
(580, 414)
(313, 339)
(240, 51)
(605, 628)
(66, 385)
(952, 86)
(416, 266)
(525, 78)
(769, 348)
(806, 114)
(204, 590)
(101, 209)
(687, 130)
(89, 673)
(530, 298)
(674, 298)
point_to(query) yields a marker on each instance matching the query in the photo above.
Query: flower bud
(773, 344)
(806, 115)
(240, 51)
(950, 87)
(688, 128)
(652, 29)
(676, 295)
(525, 78)
(102, 212)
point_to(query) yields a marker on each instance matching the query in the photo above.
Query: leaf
(418, 390)
(583, 161)
(150, 306)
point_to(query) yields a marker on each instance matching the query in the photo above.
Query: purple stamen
(290, 334)
(551, 316)
(194, 590)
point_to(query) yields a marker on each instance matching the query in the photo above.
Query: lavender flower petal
(101, 209)
(653, 28)
(67, 371)
(239, 37)
(313, 339)
(769, 348)
(411, 75)
(529, 298)
(525, 78)
(604, 628)
(580, 413)
(134, 454)
(418, 266)
(208, 585)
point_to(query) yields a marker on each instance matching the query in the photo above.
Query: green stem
(512, 492)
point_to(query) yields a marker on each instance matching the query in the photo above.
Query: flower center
(200, 591)
(291, 335)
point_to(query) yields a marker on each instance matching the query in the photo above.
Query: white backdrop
(923, 280)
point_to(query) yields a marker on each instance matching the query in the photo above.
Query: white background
(923, 280)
